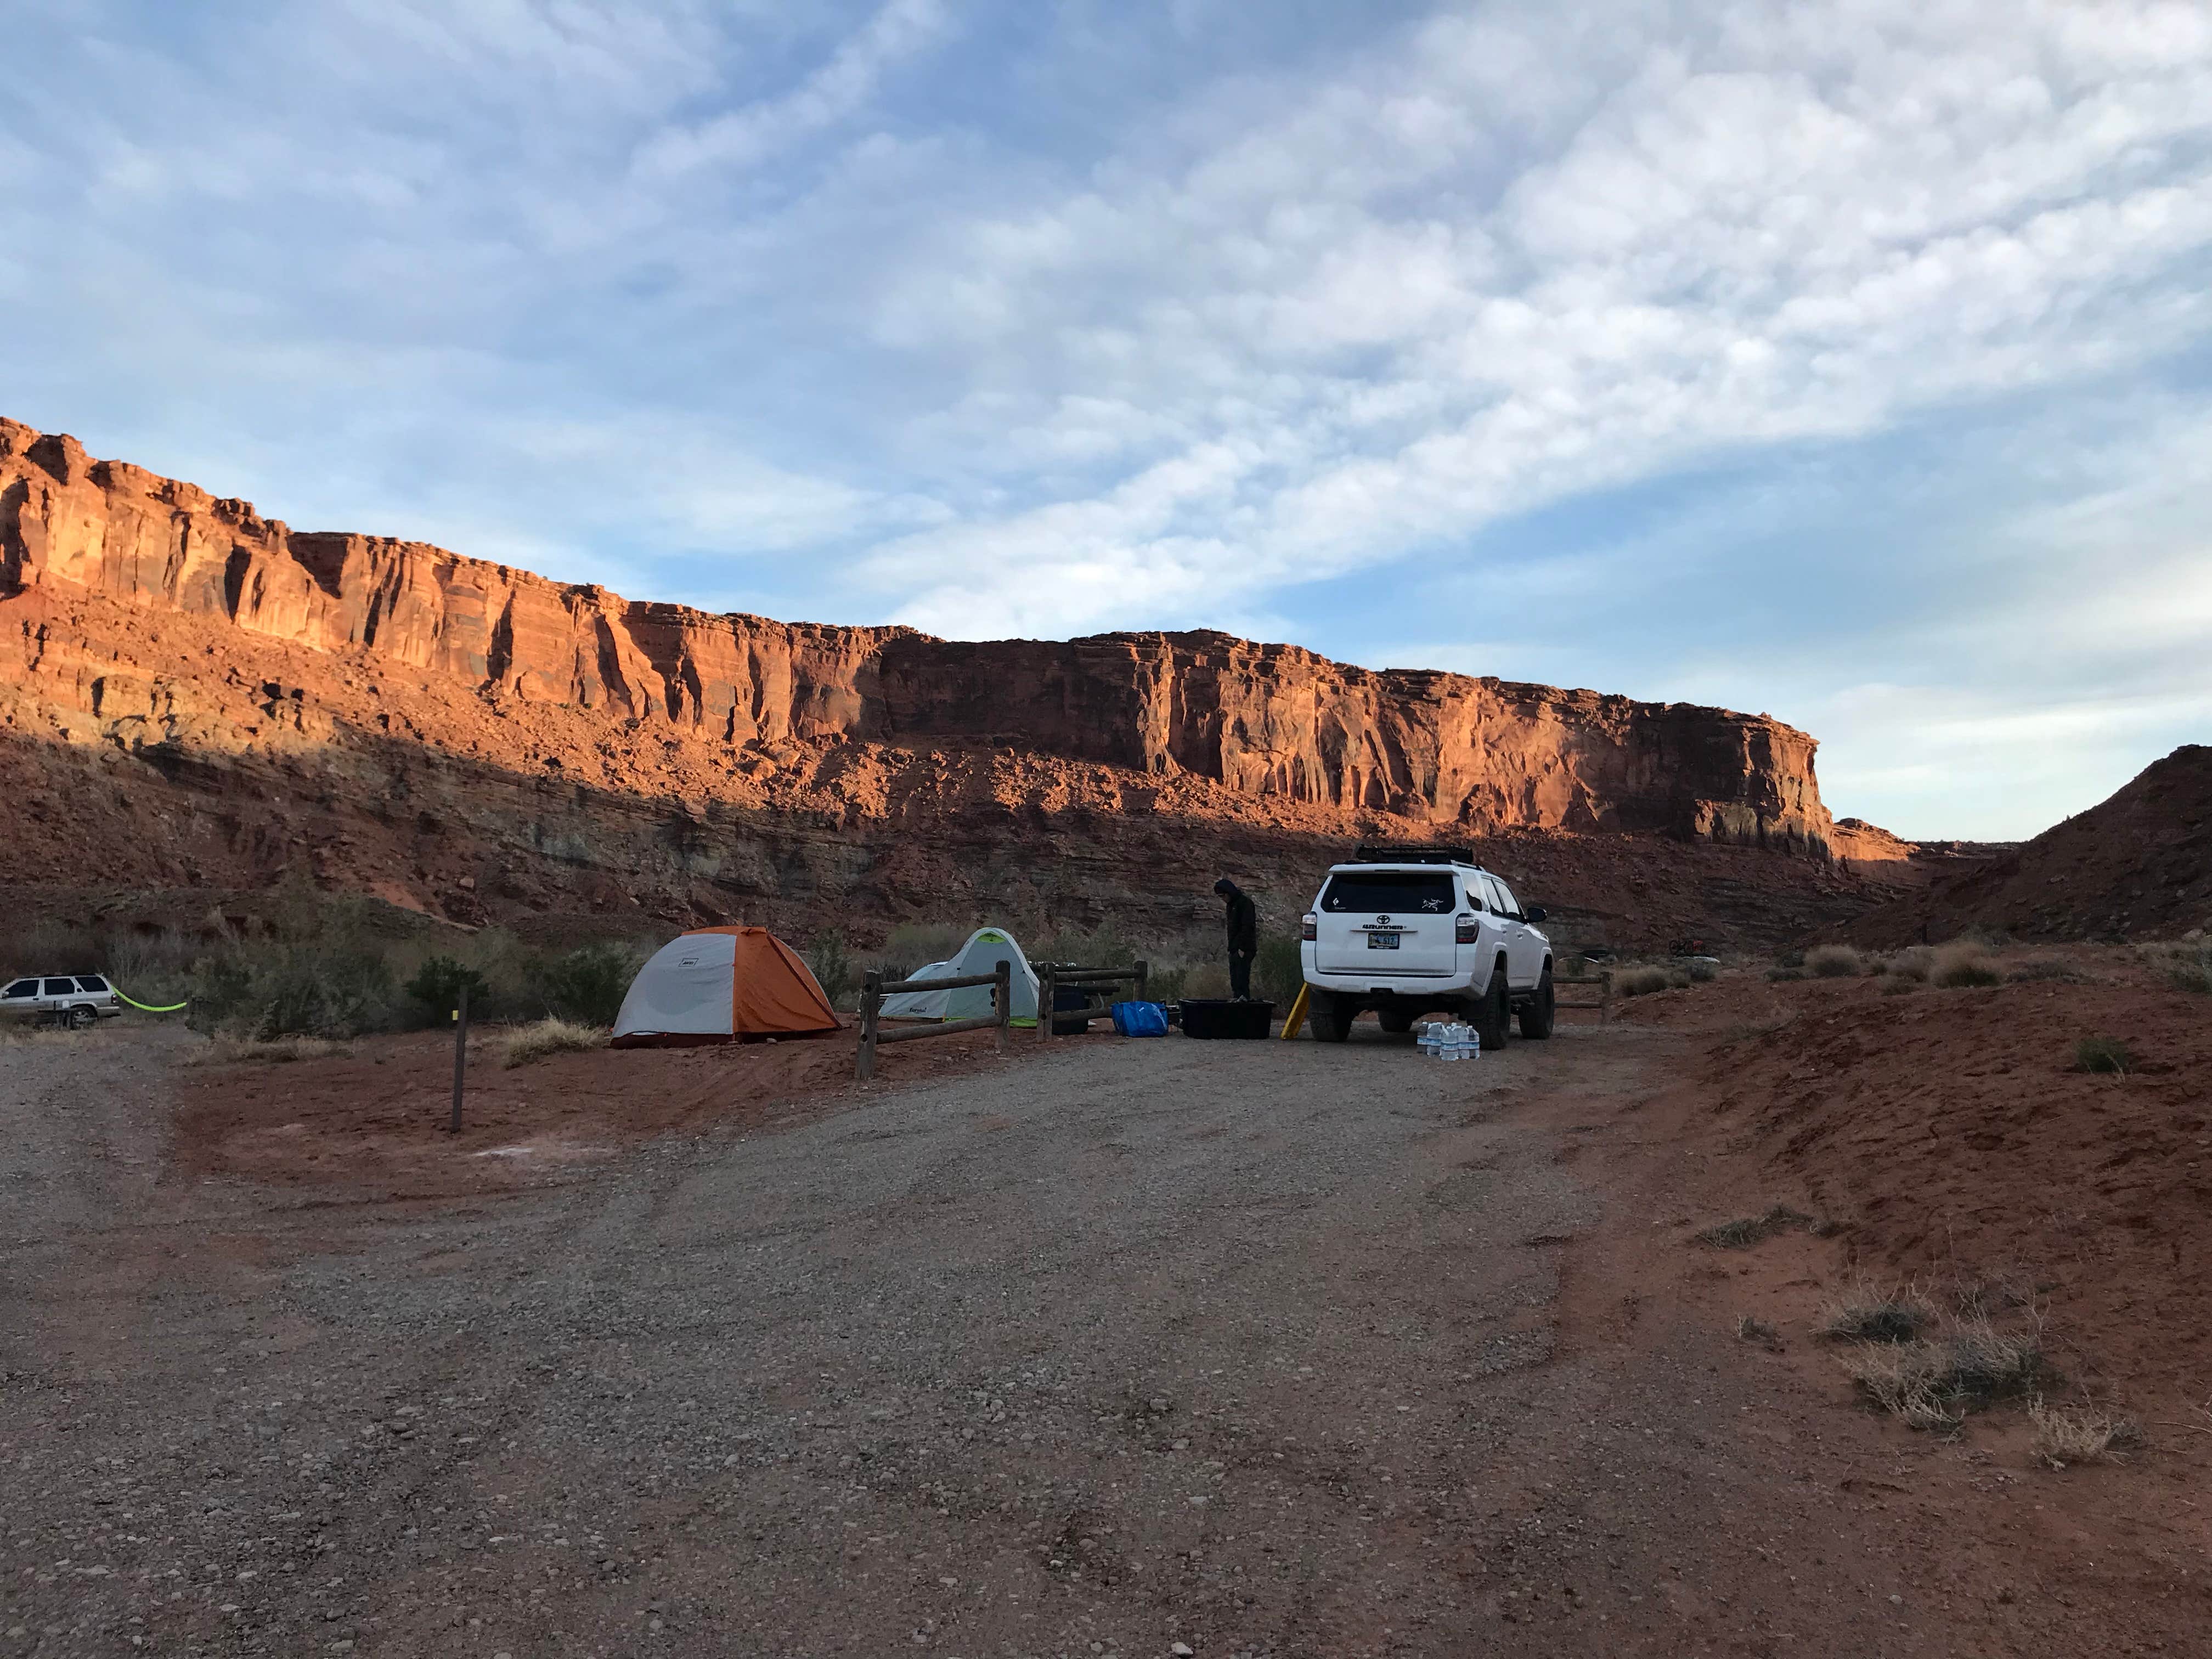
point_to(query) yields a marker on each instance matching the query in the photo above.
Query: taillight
(1309, 929)
(1466, 930)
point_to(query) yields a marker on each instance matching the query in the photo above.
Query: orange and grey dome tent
(722, 985)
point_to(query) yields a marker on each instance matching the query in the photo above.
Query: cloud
(999, 319)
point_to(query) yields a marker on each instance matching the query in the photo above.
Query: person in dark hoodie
(1244, 936)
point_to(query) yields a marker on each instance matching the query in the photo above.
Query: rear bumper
(1378, 989)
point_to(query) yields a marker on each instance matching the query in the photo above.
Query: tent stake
(461, 1055)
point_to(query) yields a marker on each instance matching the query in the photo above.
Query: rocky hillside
(2137, 866)
(234, 700)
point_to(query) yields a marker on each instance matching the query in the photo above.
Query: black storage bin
(1219, 1017)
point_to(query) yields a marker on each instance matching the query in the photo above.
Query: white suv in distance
(72, 999)
(1414, 930)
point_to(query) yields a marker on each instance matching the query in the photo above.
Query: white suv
(1415, 930)
(72, 999)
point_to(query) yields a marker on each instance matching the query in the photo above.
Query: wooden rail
(1603, 981)
(1053, 976)
(873, 991)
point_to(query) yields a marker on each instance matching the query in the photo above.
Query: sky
(1847, 363)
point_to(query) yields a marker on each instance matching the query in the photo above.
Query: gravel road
(1246, 1347)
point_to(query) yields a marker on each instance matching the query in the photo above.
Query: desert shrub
(1206, 979)
(1640, 981)
(1747, 1230)
(2105, 1054)
(550, 1036)
(1278, 970)
(1834, 962)
(1915, 962)
(588, 983)
(436, 988)
(265, 989)
(2079, 1434)
(1102, 946)
(833, 967)
(1933, 1384)
(1869, 1315)
(2186, 965)
(1963, 964)
(1166, 982)
(265, 1051)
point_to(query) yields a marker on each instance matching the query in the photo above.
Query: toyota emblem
(1382, 918)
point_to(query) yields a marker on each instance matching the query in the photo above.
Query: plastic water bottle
(1428, 1041)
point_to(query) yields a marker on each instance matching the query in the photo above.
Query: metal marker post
(461, 1055)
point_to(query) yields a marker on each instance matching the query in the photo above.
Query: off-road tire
(1537, 1015)
(1393, 1021)
(1492, 1013)
(1328, 1019)
(79, 1019)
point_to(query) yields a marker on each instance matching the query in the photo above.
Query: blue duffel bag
(1139, 1019)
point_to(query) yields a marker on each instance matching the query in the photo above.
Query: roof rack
(1387, 852)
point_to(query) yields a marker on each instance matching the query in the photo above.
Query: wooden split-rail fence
(874, 990)
(1057, 976)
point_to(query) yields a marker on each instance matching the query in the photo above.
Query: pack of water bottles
(1450, 1040)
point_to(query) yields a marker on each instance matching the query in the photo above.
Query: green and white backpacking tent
(986, 948)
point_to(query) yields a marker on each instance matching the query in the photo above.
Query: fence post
(461, 1055)
(1605, 996)
(1144, 973)
(871, 1003)
(1002, 1005)
(1044, 1003)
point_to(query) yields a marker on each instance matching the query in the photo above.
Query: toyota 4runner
(1414, 930)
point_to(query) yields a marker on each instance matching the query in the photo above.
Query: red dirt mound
(372, 1124)
(1949, 1135)
(2138, 865)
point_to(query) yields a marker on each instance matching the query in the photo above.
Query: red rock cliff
(1261, 719)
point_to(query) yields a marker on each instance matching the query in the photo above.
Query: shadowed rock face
(1262, 720)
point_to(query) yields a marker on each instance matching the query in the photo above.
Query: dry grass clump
(2107, 1056)
(1868, 1315)
(264, 1051)
(1965, 963)
(1932, 1384)
(541, 1038)
(1641, 981)
(2079, 1434)
(2186, 963)
(1834, 962)
(1747, 1230)
(1915, 962)
(1750, 1329)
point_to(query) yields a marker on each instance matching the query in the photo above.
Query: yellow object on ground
(149, 1007)
(1295, 1021)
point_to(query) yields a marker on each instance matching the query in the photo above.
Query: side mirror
(1535, 914)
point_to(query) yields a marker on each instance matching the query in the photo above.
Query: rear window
(61, 987)
(91, 983)
(1391, 892)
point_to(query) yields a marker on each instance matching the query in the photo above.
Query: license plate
(1382, 941)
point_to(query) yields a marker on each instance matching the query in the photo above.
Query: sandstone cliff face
(1263, 722)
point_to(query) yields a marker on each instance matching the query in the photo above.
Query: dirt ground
(1263, 1349)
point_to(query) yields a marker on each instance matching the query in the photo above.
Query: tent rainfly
(722, 985)
(986, 948)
